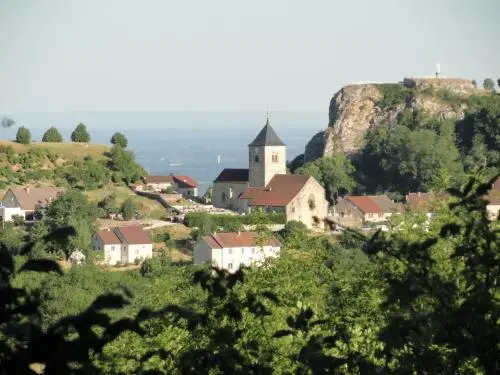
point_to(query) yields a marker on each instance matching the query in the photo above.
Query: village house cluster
(264, 185)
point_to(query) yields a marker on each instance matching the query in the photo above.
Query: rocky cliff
(356, 109)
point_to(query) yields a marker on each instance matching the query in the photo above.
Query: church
(266, 184)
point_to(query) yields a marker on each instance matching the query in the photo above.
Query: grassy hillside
(66, 150)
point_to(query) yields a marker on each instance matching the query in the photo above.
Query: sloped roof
(236, 239)
(233, 175)
(367, 204)
(31, 198)
(383, 201)
(185, 181)
(267, 137)
(109, 237)
(280, 191)
(134, 235)
(424, 201)
(158, 179)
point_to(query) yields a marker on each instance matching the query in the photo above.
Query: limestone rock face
(356, 109)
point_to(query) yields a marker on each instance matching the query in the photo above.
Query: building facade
(123, 245)
(23, 202)
(266, 184)
(231, 251)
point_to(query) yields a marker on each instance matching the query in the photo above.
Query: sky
(231, 55)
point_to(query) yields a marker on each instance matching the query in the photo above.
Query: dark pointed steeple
(267, 137)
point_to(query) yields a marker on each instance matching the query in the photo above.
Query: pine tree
(23, 136)
(52, 135)
(80, 134)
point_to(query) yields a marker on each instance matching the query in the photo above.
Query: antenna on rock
(438, 70)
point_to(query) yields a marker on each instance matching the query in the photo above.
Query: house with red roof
(365, 208)
(266, 184)
(183, 184)
(123, 245)
(233, 250)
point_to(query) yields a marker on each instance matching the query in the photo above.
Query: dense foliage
(416, 300)
(335, 173)
(119, 139)
(23, 136)
(80, 134)
(419, 152)
(52, 135)
(123, 163)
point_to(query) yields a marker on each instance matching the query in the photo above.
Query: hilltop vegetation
(424, 135)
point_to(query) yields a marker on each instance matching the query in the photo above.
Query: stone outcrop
(356, 109)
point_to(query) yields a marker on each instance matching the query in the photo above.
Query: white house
(184, 185)
(24, 201)
(123, 244)
(230, 251)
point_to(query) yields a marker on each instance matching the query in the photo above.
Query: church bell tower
(266, 157)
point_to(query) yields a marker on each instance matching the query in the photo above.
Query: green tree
(80, 134)
(71, 205)
(335, 173)
(23, 136)
(296, 163)
(123, 161)
(488, 84)
(128, 209)
(119, 139)
(52, 135)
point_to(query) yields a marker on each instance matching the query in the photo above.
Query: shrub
(23, 136)
(52, 135)
(393, 94)
(200, 219)
(80, 134)
(119, 139)
(128, 209)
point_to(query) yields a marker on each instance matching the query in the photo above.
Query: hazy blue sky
(65, 55)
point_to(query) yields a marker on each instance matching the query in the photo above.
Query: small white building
(230, 251)
(24, 201)
(123, 244)
(184, 185)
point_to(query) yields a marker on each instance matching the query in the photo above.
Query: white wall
(112, 253)
(139, 251)
(493, 210)
(8, 212)
(188, 192)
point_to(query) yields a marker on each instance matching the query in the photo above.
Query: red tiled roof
(365, 204)
(279, 191)
(134, 235)
(496, 184)
(211, 242)
(235, 239)
(187, 181)
(108, 237)
(158, 179)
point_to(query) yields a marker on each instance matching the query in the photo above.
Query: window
(223, 197)
(136, 251)
(230, 266)
(242, 251)
(253, 250)
(370, 214)
(274, 157)
(112, 247)
(256, 158)
(230, 251)
(380, 214)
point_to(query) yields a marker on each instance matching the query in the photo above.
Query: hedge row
(199, 219)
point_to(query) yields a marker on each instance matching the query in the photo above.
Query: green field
(66, 150)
